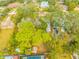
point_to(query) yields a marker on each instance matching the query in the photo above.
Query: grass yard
(4, 37)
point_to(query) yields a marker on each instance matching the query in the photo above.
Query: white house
(44, 4)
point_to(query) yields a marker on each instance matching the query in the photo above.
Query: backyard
(48, 29)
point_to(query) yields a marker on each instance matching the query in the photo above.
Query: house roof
(7, 24)
(14, 5)
(76, 8)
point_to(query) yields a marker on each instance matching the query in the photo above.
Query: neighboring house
(44, 4)
(63, 7)
(14, 5)
(42, 13)
(7, 24)
(60, 1)
(76, 8)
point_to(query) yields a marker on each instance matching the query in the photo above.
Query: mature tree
(28, 36)
(71, 4)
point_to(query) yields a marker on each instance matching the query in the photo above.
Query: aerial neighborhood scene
(39, 29)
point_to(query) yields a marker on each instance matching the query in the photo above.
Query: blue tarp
(34, 57)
